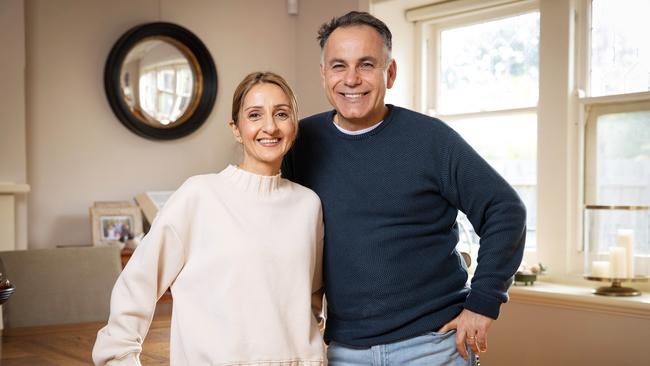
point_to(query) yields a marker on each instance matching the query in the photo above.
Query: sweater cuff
(482, 304)
(131, 359)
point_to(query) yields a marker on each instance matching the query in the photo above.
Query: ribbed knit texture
(390, 200)
(242, 254)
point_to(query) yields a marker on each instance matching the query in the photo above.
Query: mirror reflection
(158, 81)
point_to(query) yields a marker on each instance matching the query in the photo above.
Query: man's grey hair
(355, 18)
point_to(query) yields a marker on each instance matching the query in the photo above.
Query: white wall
(311, 98)
(12, 92)
(78, 152)
(13, 158)
(393, 14)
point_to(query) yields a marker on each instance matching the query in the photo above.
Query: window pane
(148, 93)
(166, 80)
(165, 105)
(490, 66)
(509, 144)
(620, 49)
(623, 163)
(185, 81)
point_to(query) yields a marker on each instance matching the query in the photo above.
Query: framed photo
(113, 204)
(115, 225)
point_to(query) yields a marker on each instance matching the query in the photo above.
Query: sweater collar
(251, 182)
(378, 128)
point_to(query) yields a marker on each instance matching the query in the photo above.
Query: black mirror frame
(205, 64)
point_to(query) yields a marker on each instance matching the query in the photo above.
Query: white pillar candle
(625, 239)
(600, 269)
(617, 262)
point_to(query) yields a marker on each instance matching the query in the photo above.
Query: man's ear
(322, 75)
(391, 74)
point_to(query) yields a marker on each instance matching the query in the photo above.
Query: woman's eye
(282, 115)
(254, 116)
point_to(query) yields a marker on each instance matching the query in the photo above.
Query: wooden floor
(71, 345)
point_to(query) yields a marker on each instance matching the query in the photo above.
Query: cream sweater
(242, 255)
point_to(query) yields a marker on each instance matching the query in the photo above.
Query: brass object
(615, 207)
(616, 289)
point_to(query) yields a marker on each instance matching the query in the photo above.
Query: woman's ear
(235, 131)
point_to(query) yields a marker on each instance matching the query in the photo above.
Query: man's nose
(352, 77)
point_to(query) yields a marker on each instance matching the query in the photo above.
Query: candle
(600, 269)
(617, 262)
(625, 239)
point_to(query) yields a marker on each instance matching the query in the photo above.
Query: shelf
(581, 299)
(13, 188)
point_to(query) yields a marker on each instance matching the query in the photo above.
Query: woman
(241, 251)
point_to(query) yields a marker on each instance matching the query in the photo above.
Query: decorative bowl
(526, 278)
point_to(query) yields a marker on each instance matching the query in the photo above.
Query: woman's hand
(471, 329)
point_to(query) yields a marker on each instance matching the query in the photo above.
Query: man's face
(356, 72)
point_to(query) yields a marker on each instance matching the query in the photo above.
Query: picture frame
(115, 225)
(113, 204)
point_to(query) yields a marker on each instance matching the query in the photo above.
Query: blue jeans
(430, 349)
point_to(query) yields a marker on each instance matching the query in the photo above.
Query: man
(391, 182)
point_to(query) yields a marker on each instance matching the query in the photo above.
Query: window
(483, 80)
(586, 141)
(617, 135)
(165, 91)
(616, 108)
(489, 66)
(618, 150)
(620, 50)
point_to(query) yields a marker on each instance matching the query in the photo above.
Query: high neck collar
(251, 182)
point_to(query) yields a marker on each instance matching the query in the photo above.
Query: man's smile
(353, 96)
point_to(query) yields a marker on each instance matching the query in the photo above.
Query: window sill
(580, 298)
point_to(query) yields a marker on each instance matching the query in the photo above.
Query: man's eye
(338, 67)
(366, 66)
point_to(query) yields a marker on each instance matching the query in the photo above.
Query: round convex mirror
(160, 81)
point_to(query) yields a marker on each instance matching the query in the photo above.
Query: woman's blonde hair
(257, 78)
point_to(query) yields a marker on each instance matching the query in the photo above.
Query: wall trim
(448, 9)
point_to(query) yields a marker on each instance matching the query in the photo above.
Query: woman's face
(266, 128)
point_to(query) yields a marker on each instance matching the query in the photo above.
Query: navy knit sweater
(390, 200)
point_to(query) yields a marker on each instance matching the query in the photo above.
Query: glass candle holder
(617, 247)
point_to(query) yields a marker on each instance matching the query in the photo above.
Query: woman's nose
(269, 124)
